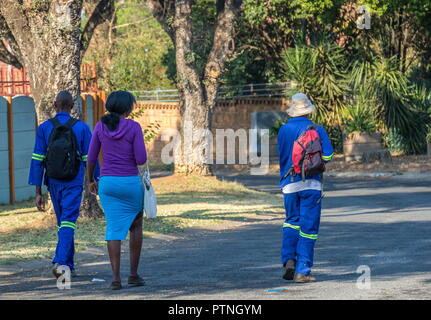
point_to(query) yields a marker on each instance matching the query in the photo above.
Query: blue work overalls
(65, 195)
(302, 199)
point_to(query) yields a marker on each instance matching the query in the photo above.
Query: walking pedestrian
(301, 184)
(58, 160)
(119, 188)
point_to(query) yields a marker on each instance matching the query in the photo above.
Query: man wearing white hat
(302, 194)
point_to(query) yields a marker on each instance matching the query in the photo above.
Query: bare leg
(135, 244)
(114, 249)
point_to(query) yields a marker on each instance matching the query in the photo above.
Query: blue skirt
(122, 200)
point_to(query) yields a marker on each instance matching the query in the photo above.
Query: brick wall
(228, 114)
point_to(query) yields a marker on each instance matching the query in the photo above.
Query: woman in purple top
(119, 187)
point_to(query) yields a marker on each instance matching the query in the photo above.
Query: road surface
(374, 243)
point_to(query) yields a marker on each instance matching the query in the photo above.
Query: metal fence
(275, 90)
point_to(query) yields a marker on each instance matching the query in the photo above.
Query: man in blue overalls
(65, 195)
(302, 198)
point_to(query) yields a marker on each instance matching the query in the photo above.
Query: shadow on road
(247, 260)
(386, 230)
(377, 203)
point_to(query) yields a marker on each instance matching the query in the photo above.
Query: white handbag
(150, 200)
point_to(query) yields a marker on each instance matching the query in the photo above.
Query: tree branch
(103, 12)
(175, 17)
(10, 56)
(188, 77)
(223, 43)
(164, 12)
(131, 24)
(7, 57)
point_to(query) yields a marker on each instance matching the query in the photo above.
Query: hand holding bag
(150, 200)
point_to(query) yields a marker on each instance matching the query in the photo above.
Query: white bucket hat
(300, 105)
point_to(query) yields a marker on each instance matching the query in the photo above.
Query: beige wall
(228, 114)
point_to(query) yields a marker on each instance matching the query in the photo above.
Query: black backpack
(63, 159)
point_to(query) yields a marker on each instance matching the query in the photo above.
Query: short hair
(64, 99)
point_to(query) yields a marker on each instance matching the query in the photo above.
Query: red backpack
(307, 154)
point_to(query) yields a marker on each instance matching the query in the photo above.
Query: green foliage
(359, 118)
(390, 88)
(362, 85)
(394, 142)
(267, 28)
(203, 25)
(397, 104)
(139, 50)
(273, 131)
(151, 131)
(320, 72)
(245, 67)
(360, 80)
(359, 96)
(283, 13)
(336, 137)
(139, 45)
(421, 97)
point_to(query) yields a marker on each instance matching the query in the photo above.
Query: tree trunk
(193, 153)
(90, 207)
(49, 41)
(195, 116)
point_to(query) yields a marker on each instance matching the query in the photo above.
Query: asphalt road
(374, 243)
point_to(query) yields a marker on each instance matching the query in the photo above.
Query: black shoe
(136, 281)
(289, 269)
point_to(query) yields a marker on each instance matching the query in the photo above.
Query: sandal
(136, 281)
(116, 285)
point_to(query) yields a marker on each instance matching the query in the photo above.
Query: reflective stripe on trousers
(301, 227)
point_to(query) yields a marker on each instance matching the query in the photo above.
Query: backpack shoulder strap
(303, 134)
(312, 126)
(71, 122)
(55, 122)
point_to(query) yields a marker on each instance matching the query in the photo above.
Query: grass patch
(183, 202)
